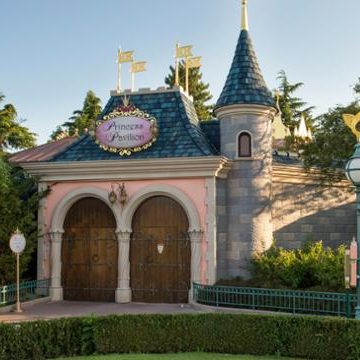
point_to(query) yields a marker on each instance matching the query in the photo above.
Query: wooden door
(89, 252)
(160, 252)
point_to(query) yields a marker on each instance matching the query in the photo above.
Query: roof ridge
(191, 131)
(81, 138)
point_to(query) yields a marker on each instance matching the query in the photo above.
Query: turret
(246, 110)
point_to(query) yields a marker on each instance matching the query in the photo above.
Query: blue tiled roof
(245, 83)
(211, 128)
(179, 132)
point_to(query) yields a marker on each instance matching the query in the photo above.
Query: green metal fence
(29, 290)
(296, 302)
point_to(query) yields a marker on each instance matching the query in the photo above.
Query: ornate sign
(126, 130)
(17, 242)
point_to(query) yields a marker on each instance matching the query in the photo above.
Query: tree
(81, 119)
(13, 135)
(197, 88)
(357, 88)
(333, 143)
(292, 107)
(18, 209)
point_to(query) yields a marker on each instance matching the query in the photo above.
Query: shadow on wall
(334, 227)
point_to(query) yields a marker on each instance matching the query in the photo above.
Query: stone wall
(248, 190)
(303, 209)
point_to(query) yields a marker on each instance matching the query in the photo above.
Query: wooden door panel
(90, 252)
(159, 277)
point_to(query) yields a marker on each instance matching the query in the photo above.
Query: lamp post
(352, 171)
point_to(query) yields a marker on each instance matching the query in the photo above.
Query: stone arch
(57, 230)
(164, 190)
(62, 208)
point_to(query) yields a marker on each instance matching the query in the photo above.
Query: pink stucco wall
(194, 188)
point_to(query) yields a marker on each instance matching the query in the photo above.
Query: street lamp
(352, 170)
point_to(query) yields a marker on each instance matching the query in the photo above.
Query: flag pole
(132, 78)
(187, 74)
(119, 72)
(176, 66)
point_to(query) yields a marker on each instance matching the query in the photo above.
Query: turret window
(244, 145)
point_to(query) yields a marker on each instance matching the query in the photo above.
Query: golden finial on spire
(244, 17)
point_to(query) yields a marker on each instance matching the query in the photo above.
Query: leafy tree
(13, 135)
(81, 119)
(357, 88)
(18, 208)
(292, 107)
(197, 88)
(333, 142)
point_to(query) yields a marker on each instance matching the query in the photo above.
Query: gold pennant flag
(126, 56)
(194, 62)
(183, 51)
(138, 66)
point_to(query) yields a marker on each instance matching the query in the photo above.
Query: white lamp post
(17, 246)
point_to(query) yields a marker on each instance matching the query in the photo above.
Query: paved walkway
(52, 310)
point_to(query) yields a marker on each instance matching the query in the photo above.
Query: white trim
(237, 157)
(146, 169)
(165, 190)
(62, 208)
(227, 112)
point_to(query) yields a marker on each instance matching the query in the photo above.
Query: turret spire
(244, 17)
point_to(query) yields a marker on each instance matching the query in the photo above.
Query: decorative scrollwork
(129, 111)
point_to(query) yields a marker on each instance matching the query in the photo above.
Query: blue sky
(52, 52)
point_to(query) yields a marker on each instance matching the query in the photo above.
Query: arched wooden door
(160, 252)
(89, 252)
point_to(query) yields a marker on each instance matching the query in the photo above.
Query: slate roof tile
(245, 83)
(180, 134)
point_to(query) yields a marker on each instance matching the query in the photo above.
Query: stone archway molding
(57, 230)
(123, 219)
(123, 293)
(161, 190)
(62, 208)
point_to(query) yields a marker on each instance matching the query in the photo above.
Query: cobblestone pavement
(52, 310)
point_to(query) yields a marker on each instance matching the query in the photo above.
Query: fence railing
(29, 290)
(296, 302)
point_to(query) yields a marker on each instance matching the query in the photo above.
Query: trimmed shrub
(293, 336)
(43, 339)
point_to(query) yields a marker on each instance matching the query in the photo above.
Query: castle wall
(303, 209)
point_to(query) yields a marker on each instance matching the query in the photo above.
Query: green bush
(293, 336)
(311, 267)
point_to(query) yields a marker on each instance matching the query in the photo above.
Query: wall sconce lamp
(112, 195)
(123, 196)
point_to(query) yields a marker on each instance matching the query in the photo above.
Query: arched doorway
(160, 252)
(89, 252)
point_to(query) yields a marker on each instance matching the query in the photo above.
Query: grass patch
(179, 356)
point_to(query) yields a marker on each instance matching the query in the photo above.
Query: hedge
(293, 336)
